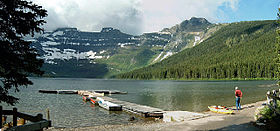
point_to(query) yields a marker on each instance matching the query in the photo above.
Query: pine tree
(278, 47)
(18, 60)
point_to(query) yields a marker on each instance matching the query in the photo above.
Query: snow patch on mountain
(158, 57)
(169, 53)
(92, 55)
(103, 51)
(196, 40)
(48, 43)
(65, 54)
(122, 45)
(57, 33)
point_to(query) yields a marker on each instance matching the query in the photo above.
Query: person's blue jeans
(238, 105)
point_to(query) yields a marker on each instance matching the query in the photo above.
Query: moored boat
(220, 109)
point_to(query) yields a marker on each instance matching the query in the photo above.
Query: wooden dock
(142, 110)
(76, 91)
(109, 91)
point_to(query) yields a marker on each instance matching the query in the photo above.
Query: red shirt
(238, 93)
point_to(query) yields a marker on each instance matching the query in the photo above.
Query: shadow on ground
(242, 127)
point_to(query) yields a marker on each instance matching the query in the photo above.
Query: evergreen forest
(242, 50)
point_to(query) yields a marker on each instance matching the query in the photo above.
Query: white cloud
(92, 15)
(130, 16)
(159, 14)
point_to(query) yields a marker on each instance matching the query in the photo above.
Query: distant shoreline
(200, 79)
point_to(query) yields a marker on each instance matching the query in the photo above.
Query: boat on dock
(93, 101)
(86, 98)
(108, 105)
(220, 109)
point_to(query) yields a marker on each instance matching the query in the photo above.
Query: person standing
(238, 95)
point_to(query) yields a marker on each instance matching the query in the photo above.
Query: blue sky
(248, 10)
(138, 16)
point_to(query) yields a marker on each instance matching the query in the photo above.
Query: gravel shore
(240, 120)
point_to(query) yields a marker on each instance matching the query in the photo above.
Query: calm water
(71, 111)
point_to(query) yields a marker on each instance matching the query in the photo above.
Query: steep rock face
(194, 25)
(187, 34)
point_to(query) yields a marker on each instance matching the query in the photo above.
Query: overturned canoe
(220, 109)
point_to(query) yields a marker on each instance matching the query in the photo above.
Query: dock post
(274, 100)
(268, 98)
(15, 116)
(48, 113)
(1, 117)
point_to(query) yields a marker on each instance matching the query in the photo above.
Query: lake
(71, 111)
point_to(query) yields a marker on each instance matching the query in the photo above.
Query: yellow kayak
(220, 109)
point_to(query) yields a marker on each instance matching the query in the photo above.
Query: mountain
(68, 52)
(188, 34)
(236, 50)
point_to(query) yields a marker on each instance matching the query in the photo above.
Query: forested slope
(238, 50)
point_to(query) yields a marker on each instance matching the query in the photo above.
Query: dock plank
(142, 110)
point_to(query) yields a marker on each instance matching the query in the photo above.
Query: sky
(139, 16)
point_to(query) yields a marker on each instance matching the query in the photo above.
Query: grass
(219, 79)
(269, 117)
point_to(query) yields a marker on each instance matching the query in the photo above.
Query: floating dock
(109, 91)
(76, 91)
(59, 91)
(142, 110)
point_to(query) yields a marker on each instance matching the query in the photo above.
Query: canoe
(97, 94)
(108, 105)
(92, 101)
(85, 98)
(220, 109)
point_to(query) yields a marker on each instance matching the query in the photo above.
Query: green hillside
(237, 50)
(128, 59)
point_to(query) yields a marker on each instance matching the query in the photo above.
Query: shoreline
(180, 79)
(241, 119)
